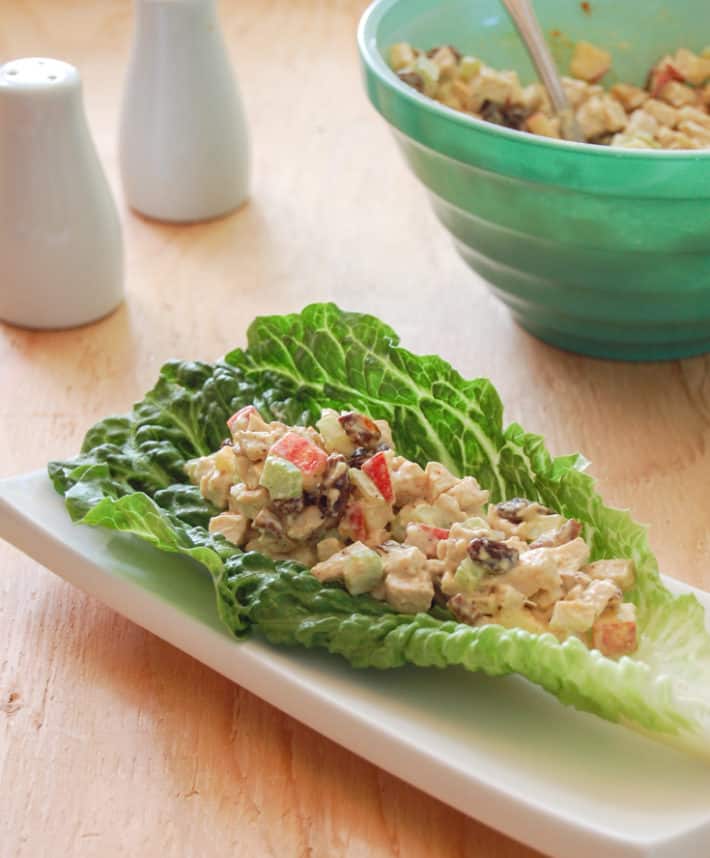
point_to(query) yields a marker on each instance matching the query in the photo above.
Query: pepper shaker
(183, 146)
(61, 252)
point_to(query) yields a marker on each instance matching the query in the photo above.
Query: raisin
(514, 117)
(492, 112)
(434, 51)
(288, 506)
(514, 510)
(412, 79)
(362, 430)
(495, 557)
(464, 610)
(359, 457)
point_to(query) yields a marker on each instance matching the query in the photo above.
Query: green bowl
(596, 250)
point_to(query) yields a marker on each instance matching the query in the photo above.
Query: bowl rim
(367, 43)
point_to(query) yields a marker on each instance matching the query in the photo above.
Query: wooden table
(113, 743)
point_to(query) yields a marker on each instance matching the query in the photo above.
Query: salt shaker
(183, 146)
(61, 252)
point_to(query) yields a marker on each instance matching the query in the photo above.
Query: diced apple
(354, 524)
(333, 433)
(589, 62)
(661, 74)
(239, 421)
(378, 471)
(425, 537)
(301, 452)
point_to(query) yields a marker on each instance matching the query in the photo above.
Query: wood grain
(112, 742)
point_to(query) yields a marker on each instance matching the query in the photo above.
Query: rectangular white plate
(499, 750)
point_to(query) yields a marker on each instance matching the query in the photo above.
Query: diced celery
(468, 575)
(476, 523)
(469, 67)
(333, 433)
(281, 478)
(401, 55)
(362, 570)
(428, 70)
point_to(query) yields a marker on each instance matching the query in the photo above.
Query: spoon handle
(525, 20)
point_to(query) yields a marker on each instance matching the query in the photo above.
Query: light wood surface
(113, 743)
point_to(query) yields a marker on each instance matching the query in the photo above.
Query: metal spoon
(525, 20)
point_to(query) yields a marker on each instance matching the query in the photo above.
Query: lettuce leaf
(129, 477)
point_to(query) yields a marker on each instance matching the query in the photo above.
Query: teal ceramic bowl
(596, 250)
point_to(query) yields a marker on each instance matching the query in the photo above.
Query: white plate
(499, 750)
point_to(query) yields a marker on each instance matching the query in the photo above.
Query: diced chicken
(447, 509)
(545, 126)
(385, 432)
(670, 139)
(694, 69)
(663, 113)
(589, 62)
(600, 115)
(490, 85)
(570, 556)
(615, 633)
(620, 572)
(641, 121)
(578, 91)
(215, 475)
(408, 586)
(469, 496)
(409, 481)
(232, 526)
(698, 133)
(677, 94)
(328, 547)
(535, 98)
(634, 140)
(536, 574)
(255, 445)
(578, 615)
(447, 59)
(304, 524)
(693, 114)
(425, 537)
(631, 97)
(446, 95)
(440, 479)
(566, 533)
(572, 616)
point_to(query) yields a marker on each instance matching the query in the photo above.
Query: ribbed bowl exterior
(596, 250)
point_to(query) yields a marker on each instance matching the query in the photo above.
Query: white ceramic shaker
(184, 151)
(61, 253)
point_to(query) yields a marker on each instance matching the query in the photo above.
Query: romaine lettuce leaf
(129, 477)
